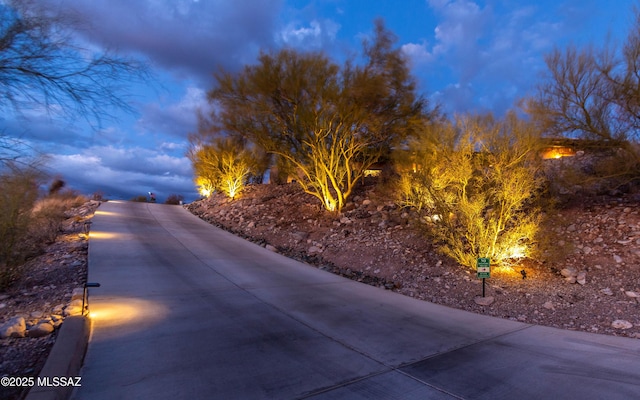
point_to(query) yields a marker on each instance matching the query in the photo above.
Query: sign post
(483, 268)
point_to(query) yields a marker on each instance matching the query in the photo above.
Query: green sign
(483, 268)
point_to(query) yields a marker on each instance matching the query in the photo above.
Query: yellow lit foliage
(223, 165)
(477, 181)
(327, 123)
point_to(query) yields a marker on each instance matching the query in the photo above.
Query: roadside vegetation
(29, 220)
(323, 124)
(476, 180)
(43, 68)
(479, 181)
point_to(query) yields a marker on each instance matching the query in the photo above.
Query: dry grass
(27, 223)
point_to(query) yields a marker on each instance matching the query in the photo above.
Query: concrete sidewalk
(186, 310)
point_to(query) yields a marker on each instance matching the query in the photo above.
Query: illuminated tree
(225, 165)
(328, 123)
(475, 179)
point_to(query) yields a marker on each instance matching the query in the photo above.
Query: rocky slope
(592, 285)
(34, 307)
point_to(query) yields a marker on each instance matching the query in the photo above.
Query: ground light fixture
(85, 299)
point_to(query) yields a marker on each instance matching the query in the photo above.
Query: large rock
(314, 250)
(621, 324)
(15, 327)
(74, 308)
(77, 294)
(40, 330)
(484, 301)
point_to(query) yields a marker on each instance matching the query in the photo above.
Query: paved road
(186, 310)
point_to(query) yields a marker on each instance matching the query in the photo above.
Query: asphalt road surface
(188, 311)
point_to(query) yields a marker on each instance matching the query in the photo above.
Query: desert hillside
(593, 285)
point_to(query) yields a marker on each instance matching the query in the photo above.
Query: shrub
(477, 181)
(225, 165)
(174, 199)
(18, 193)
(49, 212)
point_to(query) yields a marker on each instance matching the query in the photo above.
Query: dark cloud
(177, 119)
(125, 173)
(195, 37)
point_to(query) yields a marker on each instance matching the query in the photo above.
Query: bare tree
(41, 64)
(594, 94)
(574, 99)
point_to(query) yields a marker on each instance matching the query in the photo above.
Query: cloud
(418, 53)
(177, 119)
(125, 173)
(195, 37)
(316, 35)
(492, 52)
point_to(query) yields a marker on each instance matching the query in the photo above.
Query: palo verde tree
(42, 66)
(594, 94)
(476, 180)
(225, 165)
(326, 122)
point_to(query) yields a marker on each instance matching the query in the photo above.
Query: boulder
(40, 330)
(484, 301)
(77, 294)
(74, 308)
(621, 324)
(15, 327)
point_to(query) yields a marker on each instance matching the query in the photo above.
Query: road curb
(65, 359)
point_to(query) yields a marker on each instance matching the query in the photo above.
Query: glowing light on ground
(508, 271)
(102, 235)
(517, 252)
(127, 314)
(109, 213)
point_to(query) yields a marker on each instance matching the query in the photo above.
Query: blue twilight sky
(467, 56)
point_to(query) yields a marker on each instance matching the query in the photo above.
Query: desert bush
(477, 181)
(98, 196)
(57, 185)
(174, 199)
(140, 199)
(28, 222)
(225, 165)
(18, 193)
(48, 214)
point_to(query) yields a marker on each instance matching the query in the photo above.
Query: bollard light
(84, 295)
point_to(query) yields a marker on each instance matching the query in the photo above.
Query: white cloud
(315, 35)
(417, 53)
(492, 55)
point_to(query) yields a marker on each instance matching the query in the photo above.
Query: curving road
(186, 310)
